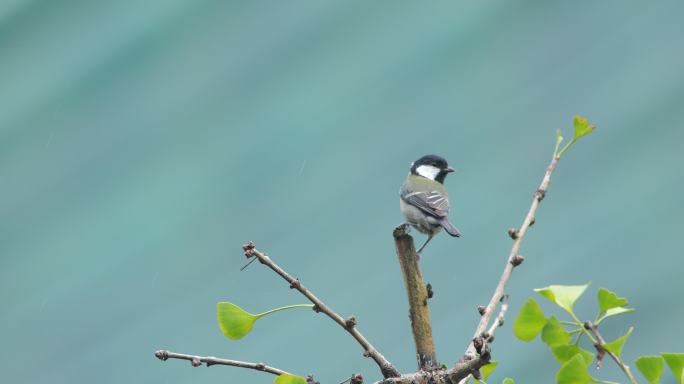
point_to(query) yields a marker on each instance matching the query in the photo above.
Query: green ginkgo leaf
(564, 353)
(614, 312)
(582, 127)
(616, 345)
(651, 367)
(236, 323)
(608, 300)
(487, 370)
(508, 380)
(287, 378)
(529, 322)
(574, 371)
(676, 363)
(563, 295)
(553, 333)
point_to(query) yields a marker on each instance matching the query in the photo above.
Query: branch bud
(260, 366)
(196, 362)
(295, 284)
(310, 380)
(356, 379)
(481, 309)
(478, 343)
(517, 260)
(513, 233)
(430, 292)
(540, 194)
(350, 322)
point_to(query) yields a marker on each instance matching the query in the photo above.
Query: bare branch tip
(356, 379)
(162, 355)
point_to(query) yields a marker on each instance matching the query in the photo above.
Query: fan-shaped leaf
(574, 371)
(563, 295)
(553, 333)
(234, 321)
(676, 363)
(614, 312)
(651, 367)
(529, 322)
(616, 345)
(608, 300)
(564, 353)
(487, 370)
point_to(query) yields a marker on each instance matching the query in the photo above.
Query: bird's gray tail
(450, 228)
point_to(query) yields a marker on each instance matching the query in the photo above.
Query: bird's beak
(449, 170)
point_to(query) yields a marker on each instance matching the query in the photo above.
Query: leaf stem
(567, 146)
(284, 308)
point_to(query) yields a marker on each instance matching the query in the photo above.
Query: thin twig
(196, 361)
(513, 258)
(499, 321)
(601, 349)
(348, 324)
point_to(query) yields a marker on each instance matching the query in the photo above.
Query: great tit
(424, 201)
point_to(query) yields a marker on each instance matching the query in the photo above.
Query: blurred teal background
(141, 143)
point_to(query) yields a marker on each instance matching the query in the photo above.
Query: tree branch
(348, 324)
(513, 258)
(417, 292)
(601, 349)
(196, 361)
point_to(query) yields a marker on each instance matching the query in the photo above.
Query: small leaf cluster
(564, 337)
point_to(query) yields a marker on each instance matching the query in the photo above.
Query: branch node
(350, 322)
(260, 366)
(310, 380)
(196, 362)
(316, 308)
(534, 220)
(430, 292)
(356, 379)
(295, 284)
(366, 353)
(481, 309)
(513, 233)
(478, 343)
(517, 260)
(540, 194)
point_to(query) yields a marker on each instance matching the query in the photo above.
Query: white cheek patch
(428, 171)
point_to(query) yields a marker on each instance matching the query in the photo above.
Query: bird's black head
(431, 166)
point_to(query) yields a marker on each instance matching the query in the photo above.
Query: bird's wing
(434, 203)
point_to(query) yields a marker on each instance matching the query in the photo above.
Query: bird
(423, 199)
